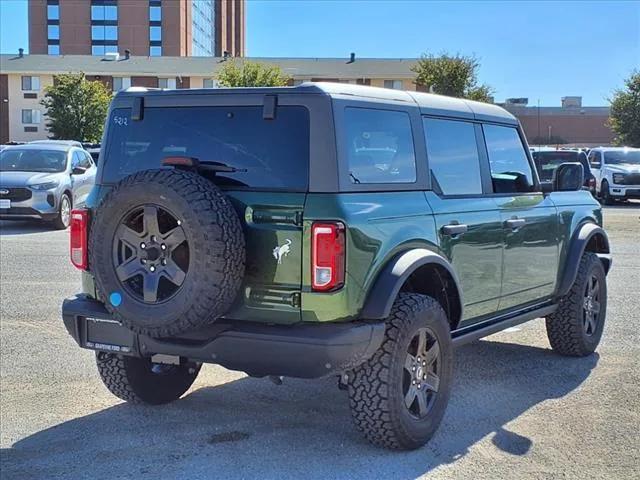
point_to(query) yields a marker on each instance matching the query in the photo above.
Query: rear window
(269, 154)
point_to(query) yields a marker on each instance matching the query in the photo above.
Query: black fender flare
(576, 249)
(395, 273)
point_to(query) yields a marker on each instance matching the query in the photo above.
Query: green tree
(76, 108)
(624, 118)
(251, 74)
(452, 75)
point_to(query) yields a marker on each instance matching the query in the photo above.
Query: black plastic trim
(575, 251)
(494, 325)
(394, 275)
(301, 350)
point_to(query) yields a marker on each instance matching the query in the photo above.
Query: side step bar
(483, 329)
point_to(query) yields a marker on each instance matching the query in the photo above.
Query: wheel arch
(417, 271)
(589, 237)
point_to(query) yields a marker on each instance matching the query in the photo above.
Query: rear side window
(453, 156)
(510, 169)
(268, 154)
(379, 146)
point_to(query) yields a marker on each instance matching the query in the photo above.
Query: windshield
(619, 157)
(29, 160)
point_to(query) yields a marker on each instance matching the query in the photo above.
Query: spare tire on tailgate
(167, 252)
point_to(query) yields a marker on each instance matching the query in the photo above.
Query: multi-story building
(23, 79)
(144, 27)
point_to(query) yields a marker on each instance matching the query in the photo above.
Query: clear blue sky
(541, 50)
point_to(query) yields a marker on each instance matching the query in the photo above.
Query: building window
(104, 10)
(155, 51)
(30, 83)
(167, 83)
(53, 32)
(155, 13)
(155, 34)
(209, 83)
(202, 28)
(121, 83)
(394, 84)
(53, 49)
(30, 117)
(53, 10)
(104, 27)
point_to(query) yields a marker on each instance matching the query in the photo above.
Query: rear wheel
(575, 328)
(61, 222)
(138, 380)
(399, 396)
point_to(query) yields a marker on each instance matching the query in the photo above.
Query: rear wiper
(195, 164)
(212, 166)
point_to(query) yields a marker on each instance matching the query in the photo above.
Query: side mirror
(568, 177)
(78, 171)
(546, 187)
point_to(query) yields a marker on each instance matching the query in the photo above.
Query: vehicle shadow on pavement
(21, 227)
(251, 428)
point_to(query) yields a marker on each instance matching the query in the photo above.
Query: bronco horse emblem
(282, 251)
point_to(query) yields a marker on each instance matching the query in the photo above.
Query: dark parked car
(326, 229)
(547, 161)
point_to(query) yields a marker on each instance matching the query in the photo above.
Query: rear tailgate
(273, 233)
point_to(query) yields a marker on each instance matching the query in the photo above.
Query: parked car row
(44, 180)
(610, 173)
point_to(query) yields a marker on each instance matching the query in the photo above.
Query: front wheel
(575, 328)
(61, 222)
(606, 194)
(399, 396)
(138, 380)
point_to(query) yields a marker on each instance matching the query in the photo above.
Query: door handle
(454, 229)
(515, 223)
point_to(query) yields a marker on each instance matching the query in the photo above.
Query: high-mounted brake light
(78, 238)
(327, 256)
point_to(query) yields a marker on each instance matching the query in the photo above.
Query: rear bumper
(303, 351)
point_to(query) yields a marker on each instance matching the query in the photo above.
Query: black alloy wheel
(591, 306)
(151, 253)
(421, 373)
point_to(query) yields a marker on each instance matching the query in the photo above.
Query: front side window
(269, 154)
(510, 168)
(379, 146)
(453, 157)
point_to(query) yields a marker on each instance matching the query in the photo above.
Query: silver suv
(44, 181)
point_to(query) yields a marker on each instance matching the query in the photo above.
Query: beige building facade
(23, 79)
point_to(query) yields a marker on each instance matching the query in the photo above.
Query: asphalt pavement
(517, 409)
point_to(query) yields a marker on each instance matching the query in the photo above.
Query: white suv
(617, 173)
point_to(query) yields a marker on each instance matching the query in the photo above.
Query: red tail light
(78, 241)
(327, 256)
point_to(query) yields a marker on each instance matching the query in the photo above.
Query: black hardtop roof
(427, 102)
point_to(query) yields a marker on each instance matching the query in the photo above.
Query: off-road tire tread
(121, 382)
(221, 227)
(564, 326)
(368, 390)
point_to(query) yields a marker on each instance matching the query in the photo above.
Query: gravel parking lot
(517, 410)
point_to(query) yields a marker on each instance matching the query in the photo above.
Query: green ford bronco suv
(326, 229)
